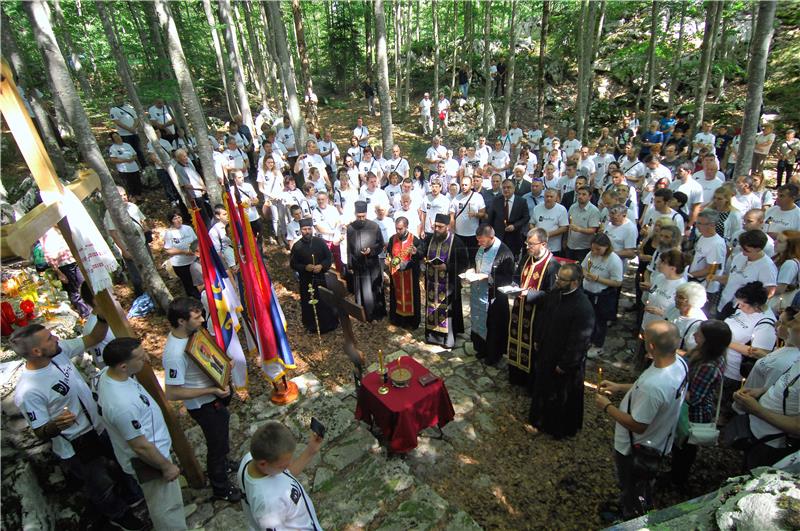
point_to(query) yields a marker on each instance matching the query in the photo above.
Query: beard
(307, 237)
(439, 237)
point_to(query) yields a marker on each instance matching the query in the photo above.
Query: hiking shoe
(594, 352)
(128, 521)
(231, 495)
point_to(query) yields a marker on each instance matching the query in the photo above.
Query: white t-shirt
(515, 134)
(622, 236)
(465, 204)
(571, 146)
(126, 114)
(709, 251)
(179, 370)
(365, 167)
(250, 196)
(235, 159)
(709, 186)
(768, 369)
(743, 271)
(398, 165)
(124, 151)
(292, 231)
(687, 325)
(777, 220)
(535, 138)
(567, 184)
(584, 217)
(130, 412)
(180, 239)
(661, 295)
(765, 142)
(275, 502)
(499, 159)
(42, 394)
(789, 273)
(693, 190)
(550, 220)
(743, 203)
(412, 215)
(134, 212)
(608, 267)
(325, 146)
(330, 219)
(655, 399)
(703, 139)
(651, 215)
(744, 330)
(313, 161)
(162, 116)
(362, 134)
(439, 153)
(432, 206)
(97, 350)
(425, 106)
(651, 177)
(285, 135)
(785, 391)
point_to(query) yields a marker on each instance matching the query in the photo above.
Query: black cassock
(444, 317)
(404, 299)
(301, 256)
(366, 269)
(490, 340)
(563, 329)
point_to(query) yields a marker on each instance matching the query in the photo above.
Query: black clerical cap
(443, 218)
(306, 222)
(361, 207)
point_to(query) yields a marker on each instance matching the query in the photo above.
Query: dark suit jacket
(521, 188)
(518, 217)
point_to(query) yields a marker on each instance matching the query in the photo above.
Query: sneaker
(128, 521)
(232, 495)
(594, 352)
(231, 466)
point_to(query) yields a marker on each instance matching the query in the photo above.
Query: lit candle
(743, 382)
(599, 377)
(380, 359)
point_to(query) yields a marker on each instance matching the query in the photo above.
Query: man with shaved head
(646, 417)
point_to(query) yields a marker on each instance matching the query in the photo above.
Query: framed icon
(205, 352)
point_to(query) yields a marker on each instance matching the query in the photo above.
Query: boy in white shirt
(273, 497)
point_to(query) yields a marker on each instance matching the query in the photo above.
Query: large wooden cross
(335, 294)
(18, 238)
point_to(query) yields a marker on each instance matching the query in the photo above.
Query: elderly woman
(687, 313)
(664, 283)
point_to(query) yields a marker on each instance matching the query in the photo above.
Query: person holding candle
(310, 258)
(602, 276)
(687, 313)
(404, 253)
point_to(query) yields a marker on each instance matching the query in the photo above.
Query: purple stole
(436, 288)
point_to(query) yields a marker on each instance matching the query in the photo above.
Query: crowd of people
(544, 232)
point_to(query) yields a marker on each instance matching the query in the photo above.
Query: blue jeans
(464, 89)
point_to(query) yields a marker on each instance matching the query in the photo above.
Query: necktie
(505, 212)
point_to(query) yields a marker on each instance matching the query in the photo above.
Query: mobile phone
(317, 427)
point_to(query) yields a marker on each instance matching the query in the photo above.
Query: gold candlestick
(384, 389)
(313, 301)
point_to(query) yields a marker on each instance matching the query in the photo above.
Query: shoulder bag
(706, 433)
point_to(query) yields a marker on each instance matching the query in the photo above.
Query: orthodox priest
(445, 258)
(311, 259)
(364, 245)
(494, 268)
(403, 255)
(563, 330)
(535, 275)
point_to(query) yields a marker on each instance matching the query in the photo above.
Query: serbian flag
(222, 303)
(269, 323)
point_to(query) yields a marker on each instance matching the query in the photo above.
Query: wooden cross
(335, 294)
(18, 238)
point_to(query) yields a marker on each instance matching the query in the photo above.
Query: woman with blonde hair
(761, 190)
(730, 220)
(787, 259)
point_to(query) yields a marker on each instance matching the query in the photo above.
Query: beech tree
(512, 49)
(487, 54)
(233, 106)
(704, 68)
(651, 64)
(273, 10)
(540, 94)
(756, 72)
(56, 69)
(224, 9)
(383, 78)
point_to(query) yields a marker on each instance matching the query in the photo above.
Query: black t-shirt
(721, 144)
(679, 143)
(369, 91)
(682, 126)
(462, 76)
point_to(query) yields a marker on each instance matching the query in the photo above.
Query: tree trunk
(244, 51)
(435, 94)
(72, 50)
(416, 22)
(705, 62)
(224, 8)
(540, 94)
(190, 100)
(369, 45)
(512, 52)
(756, 71)
(469, 28)
(287, 73)
(722, 56)
(12, 52)
(255, 52)
(142, 36)
(487, 54)
(277, 88)
(148, 269)
(407, 89)
(382, 62)
(453, 60)
(397, 59)
(651, 64)
(673, 84)
(305, 67)
(598, 34)
(230, 100)
(56, 69)
(585, 50)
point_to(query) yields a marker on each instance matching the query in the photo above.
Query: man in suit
(509, 217)
(521, 185)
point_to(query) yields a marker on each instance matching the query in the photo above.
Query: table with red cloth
(404, 412)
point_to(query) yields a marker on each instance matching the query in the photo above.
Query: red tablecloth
(402, 413)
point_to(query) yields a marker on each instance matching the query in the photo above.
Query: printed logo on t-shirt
(136, 425)
(541, 218)
(31, 416)
(61, 388)
(144, 399)
(295, 495)
(173, 373)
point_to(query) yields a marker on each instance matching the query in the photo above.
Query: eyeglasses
(562, 279)
(533, 244)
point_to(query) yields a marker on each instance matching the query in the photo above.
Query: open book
(510, 290)
(471, 276)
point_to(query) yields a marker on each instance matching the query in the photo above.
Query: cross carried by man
(335, 294)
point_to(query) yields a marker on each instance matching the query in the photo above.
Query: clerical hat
(306, 222)
(361, 207)
(443, 218)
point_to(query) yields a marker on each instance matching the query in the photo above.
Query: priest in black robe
(489, 314)
(364, 245)
(445, 258)
(403, 256)
(563, 331)
(311, 259)
(535, 276)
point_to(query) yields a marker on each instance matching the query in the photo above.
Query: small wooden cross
(335, 294)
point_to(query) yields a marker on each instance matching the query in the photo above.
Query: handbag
(706, 433)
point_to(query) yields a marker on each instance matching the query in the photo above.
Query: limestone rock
(227, 520)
